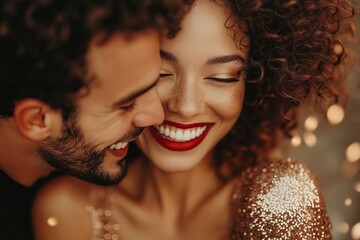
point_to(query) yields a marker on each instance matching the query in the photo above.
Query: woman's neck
(176, 194)
(187, 205)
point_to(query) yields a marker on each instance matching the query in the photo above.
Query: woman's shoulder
(63, 190)
(280, 198)
(61, 195)
(277, 170)
(58, 206)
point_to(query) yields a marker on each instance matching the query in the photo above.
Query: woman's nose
(186, 100)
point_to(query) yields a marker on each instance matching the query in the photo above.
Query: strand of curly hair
(291, 57)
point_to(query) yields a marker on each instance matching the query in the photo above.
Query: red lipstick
(185, 126)
(180, 146)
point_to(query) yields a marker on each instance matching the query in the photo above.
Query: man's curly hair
(43, 43)
(291, 58)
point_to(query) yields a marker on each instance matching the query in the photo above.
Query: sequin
(282, 202)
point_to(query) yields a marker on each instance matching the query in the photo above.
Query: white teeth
(186, 135)
(178, 134)
(198, 132)
(119, 145)
(162, 130)
(167, 131)
(193, 134)
(172, 133)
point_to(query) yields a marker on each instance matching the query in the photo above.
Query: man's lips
(178, 136)
(119, 151)
(120, 148)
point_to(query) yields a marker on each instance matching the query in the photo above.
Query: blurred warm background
(330, 146)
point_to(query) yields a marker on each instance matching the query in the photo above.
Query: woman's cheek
(228, 104)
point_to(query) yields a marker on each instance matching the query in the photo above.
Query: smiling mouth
(180, 137)
(119, 149)
(178, 134)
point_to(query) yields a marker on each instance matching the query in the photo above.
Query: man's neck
(18, 156)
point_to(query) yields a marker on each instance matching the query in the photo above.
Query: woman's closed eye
(165, 74)
(226, 78)
(162, 75)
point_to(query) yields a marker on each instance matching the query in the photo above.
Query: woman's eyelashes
(164, 75)
(227, 77)
(223, 78)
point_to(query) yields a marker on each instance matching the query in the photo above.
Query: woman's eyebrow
(214, 60)
(225, 59)
(167, 56)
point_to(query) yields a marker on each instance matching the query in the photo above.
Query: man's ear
(35, 119)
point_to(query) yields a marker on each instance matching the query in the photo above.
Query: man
(76, 86)
(77, 82)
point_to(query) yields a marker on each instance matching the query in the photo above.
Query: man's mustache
(132, 135)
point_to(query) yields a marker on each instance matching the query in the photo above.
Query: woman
(231, 83)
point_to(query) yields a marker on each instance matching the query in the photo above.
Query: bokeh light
(355, 231)
(357, 187)
(52, 221)
(310, 139)
(353, 152)
(335, 114)
(338, 49)
(348, 202)
(311, 123)
(296, 140)
(343, 227)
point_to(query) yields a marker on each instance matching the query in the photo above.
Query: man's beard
(72, 155)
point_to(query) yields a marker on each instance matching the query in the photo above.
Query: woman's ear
(35, 119)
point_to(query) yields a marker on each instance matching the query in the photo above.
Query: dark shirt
(15, 203)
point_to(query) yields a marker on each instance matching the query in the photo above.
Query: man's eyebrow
(133, 96)
(225, 59)
(167, 56)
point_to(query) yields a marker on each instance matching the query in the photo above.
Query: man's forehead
(122, 69)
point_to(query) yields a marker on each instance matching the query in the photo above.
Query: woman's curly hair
(291, 57)
(43, 43)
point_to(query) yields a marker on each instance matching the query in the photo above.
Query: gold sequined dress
(277, 200)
